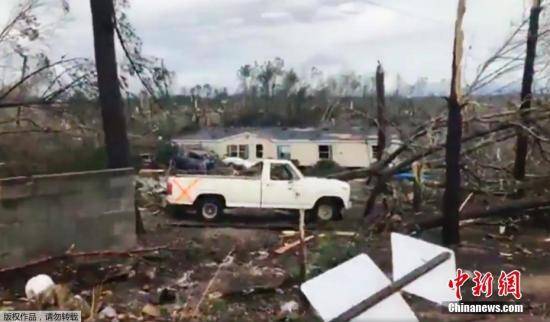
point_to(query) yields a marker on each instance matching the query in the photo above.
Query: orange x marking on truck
(185, 191)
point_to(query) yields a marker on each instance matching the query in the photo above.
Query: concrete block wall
(46, 214)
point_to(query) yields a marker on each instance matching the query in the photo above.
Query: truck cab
(269, 184)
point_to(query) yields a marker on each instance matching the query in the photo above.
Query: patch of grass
(218, 306)
(331, 252)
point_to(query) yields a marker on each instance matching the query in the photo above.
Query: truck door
(282, 188)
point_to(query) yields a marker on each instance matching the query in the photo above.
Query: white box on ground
(339, 289)
(409, 253)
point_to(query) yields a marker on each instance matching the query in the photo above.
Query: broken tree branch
(72, 255)
(226, 261)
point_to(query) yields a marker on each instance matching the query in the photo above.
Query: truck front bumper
(348, 205)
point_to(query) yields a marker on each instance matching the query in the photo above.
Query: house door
(283, 152)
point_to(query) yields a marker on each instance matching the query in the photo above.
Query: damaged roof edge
(280, 134)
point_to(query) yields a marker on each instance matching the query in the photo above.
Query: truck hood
(338, 184)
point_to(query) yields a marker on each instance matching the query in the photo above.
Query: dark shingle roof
(279, 133)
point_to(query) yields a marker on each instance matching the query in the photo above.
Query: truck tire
(209, 208)
(326, 210)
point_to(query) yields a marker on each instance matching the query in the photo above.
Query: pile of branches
(486, 157)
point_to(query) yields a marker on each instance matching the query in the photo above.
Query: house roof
(279, 133)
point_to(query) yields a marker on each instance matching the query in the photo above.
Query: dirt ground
(233, 274)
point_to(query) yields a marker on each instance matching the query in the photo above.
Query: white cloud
(207, 40)
(275, 15)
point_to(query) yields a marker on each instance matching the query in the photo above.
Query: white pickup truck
(271, 184)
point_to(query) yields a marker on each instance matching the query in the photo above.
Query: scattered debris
(214, 295)
(108, 312)
(185, 280)
(74, 255)
(279, 225)
(151, 310)
(286, 247)
(288, 310)
(248, 278)
(499, 237)
(38, 287)
(260, 255)
(290, 307)
(151, 191)
(166, 295)
(235, 161)
(465, 202)
(226, 261)
(77, 303)
(292, 233)
(524, 250)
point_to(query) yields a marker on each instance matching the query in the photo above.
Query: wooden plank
(286, 247)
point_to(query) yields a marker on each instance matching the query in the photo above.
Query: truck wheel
(210, 209)
(326, 210)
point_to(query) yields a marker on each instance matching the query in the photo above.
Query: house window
(325, 152)
(259, 151)
(283, 152)
(240, 151)
(232, 151)
(243, 151)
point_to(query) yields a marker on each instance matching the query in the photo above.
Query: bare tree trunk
(23, 74)
(417, 187)
(451, 197)
(526, 91)
(417, 197)
(381, 106)
(380, 185)
(112, 110)
(140, 228)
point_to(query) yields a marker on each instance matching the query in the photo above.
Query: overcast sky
(205, 41)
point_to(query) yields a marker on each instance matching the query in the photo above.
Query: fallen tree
(510, 209)
(73, 255)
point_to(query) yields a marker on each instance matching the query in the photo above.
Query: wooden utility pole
(451, 196)
(380, 109)
(110, 99)
(522, 141)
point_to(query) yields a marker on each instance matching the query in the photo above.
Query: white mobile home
(351, 149)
